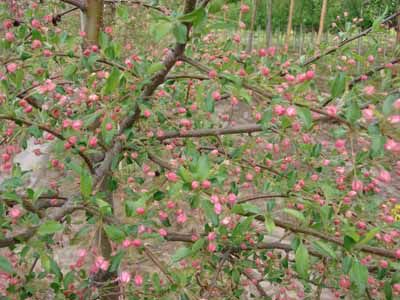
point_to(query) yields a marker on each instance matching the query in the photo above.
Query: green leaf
(50, 227)
(112, 82)
(209, 103)
(153, 68)
(305, 115)
(250, 208)
(215, 6)
(302, 261)
(181, 253)
(55, 269)
(180, 31)
(123, 13)
(5, 265)
(387, 289)
(198, 245)
(242, 228)
(353, 112)
(338, 86)
(184, 174)
(295, 213)
(35, 131)
(114, 233)
(359, 275)
(269, 223)
(324, 249)
(160, 30)
(69, 71)
(104, 206)
(68, 279)
(266, 119)
(387, 107)
(203, 168)
(377, 145)
(86, 184)
(209, 211)
(196, 17)
(116, 261)
(369, 236)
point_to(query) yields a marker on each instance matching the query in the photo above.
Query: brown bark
(289, 26)
(268, 29)
(398, 30)
(253, 21)
(321, 23)
(93, 21)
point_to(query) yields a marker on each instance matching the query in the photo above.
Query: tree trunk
(251, 33)
(321, 23)
(268, 29)
(240, 15)
(289, 26)
(92, 21)
(91, 24)
(398, 31)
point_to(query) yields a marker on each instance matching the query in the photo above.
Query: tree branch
(56, 134)
(249, 128)
(371, 72)
(162, 9)
(78, 3)
(29, 233)
(341, 44)
(259, 196)
(324, 236)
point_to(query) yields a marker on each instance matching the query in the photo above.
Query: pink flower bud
(124, 277)
(138, 280)
(11, 67)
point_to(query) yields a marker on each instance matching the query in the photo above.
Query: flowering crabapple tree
(148, 136)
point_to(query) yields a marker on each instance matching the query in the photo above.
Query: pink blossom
(82, 253)
(101, 263)
(162, 232)
(92, 142)
(331, 110)
(138, 280)
(15, 212)
(212, 74)
(340, 144)
(11, 67)
(291, 111)
(124, 277)
(171, 176)
(218, 208)
(262, 52)
(181, 218)
(9, 36)
(77, 124)
(279, 110)
(310, 74)
(384, 176)
(216, 96)
(368, 114)
(126, 243)
(147, 113)
(211, 247)
(394, 119)
(232, 198)
(36, 44)
(369, 90)
(211, 236)
(357, 185)
(136, 243)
